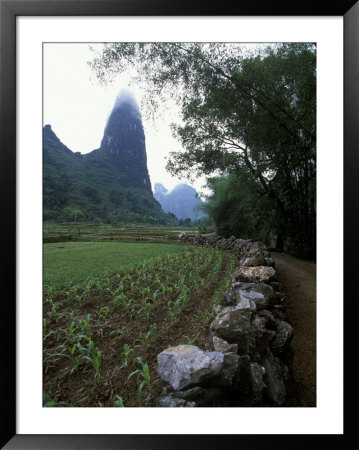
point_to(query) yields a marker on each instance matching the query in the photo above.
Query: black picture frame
(9, 10)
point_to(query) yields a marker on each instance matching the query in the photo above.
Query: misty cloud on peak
(127, 97)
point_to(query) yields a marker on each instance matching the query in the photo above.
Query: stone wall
(249, 340)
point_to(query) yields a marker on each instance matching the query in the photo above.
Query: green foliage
(250, 114)
(202, 229)
(91, 353)
(205, 221)
(238, 209)
(108, 359)
(117, 401)
(49, 402)
(185, 222)
(127, 350)
(186, 340)
(142, 374)
(92, 194)
(83, 260)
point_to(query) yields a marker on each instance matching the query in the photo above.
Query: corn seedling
(169, 290)
(71, 330)
(92, 354)
(112, 293)
(55, 333)
(95, 359)
(146, 337)
(84, 324)
(49, 300)
(163, 288)
(53, 308)
(88, 287)
(99, 287)
(185, 295)
(144, 374)
(66, 315)
(187, 341)
(135, 312)
(172, 315)
(71, 355)
(125, 302)
(153, 330)
(127, 350)
(46, 335)
(73, 290)
(48, 402)
(79, 298)
(143, 339)
(107, 283)
(145, 292)
(204, 316)
(155, 295)
(49, 289)
(118, 332)
(104, 311)
(147, 309)
(117, 401)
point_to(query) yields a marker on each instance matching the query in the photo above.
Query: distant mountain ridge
(182, 201)
(108, 184)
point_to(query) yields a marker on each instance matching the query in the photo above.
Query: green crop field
(114, 298)
(101, 337)
(71, 262)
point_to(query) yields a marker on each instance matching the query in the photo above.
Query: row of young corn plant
(138, 276)
(81, 342)
(223, 287)
(173, 278)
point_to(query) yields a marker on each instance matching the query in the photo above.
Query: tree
(92, 194)
(73, 214)
(116, 197)
(238, 208)
(248, 114)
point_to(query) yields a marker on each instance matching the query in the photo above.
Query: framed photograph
(47, 46)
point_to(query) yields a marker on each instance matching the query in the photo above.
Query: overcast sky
(77, 108)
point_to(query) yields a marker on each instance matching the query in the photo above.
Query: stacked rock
(247, 364)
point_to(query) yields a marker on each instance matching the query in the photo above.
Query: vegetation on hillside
(93, 187)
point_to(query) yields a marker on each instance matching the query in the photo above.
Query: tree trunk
(281, 234)
(279, 242)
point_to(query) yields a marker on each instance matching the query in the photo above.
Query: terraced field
(90, 232)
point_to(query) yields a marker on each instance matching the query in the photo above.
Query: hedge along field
(101, 338)
(71, 262)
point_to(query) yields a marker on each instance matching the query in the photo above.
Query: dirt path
(298, 282)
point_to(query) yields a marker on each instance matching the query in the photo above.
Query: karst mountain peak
(124, 137)
(110, 183)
